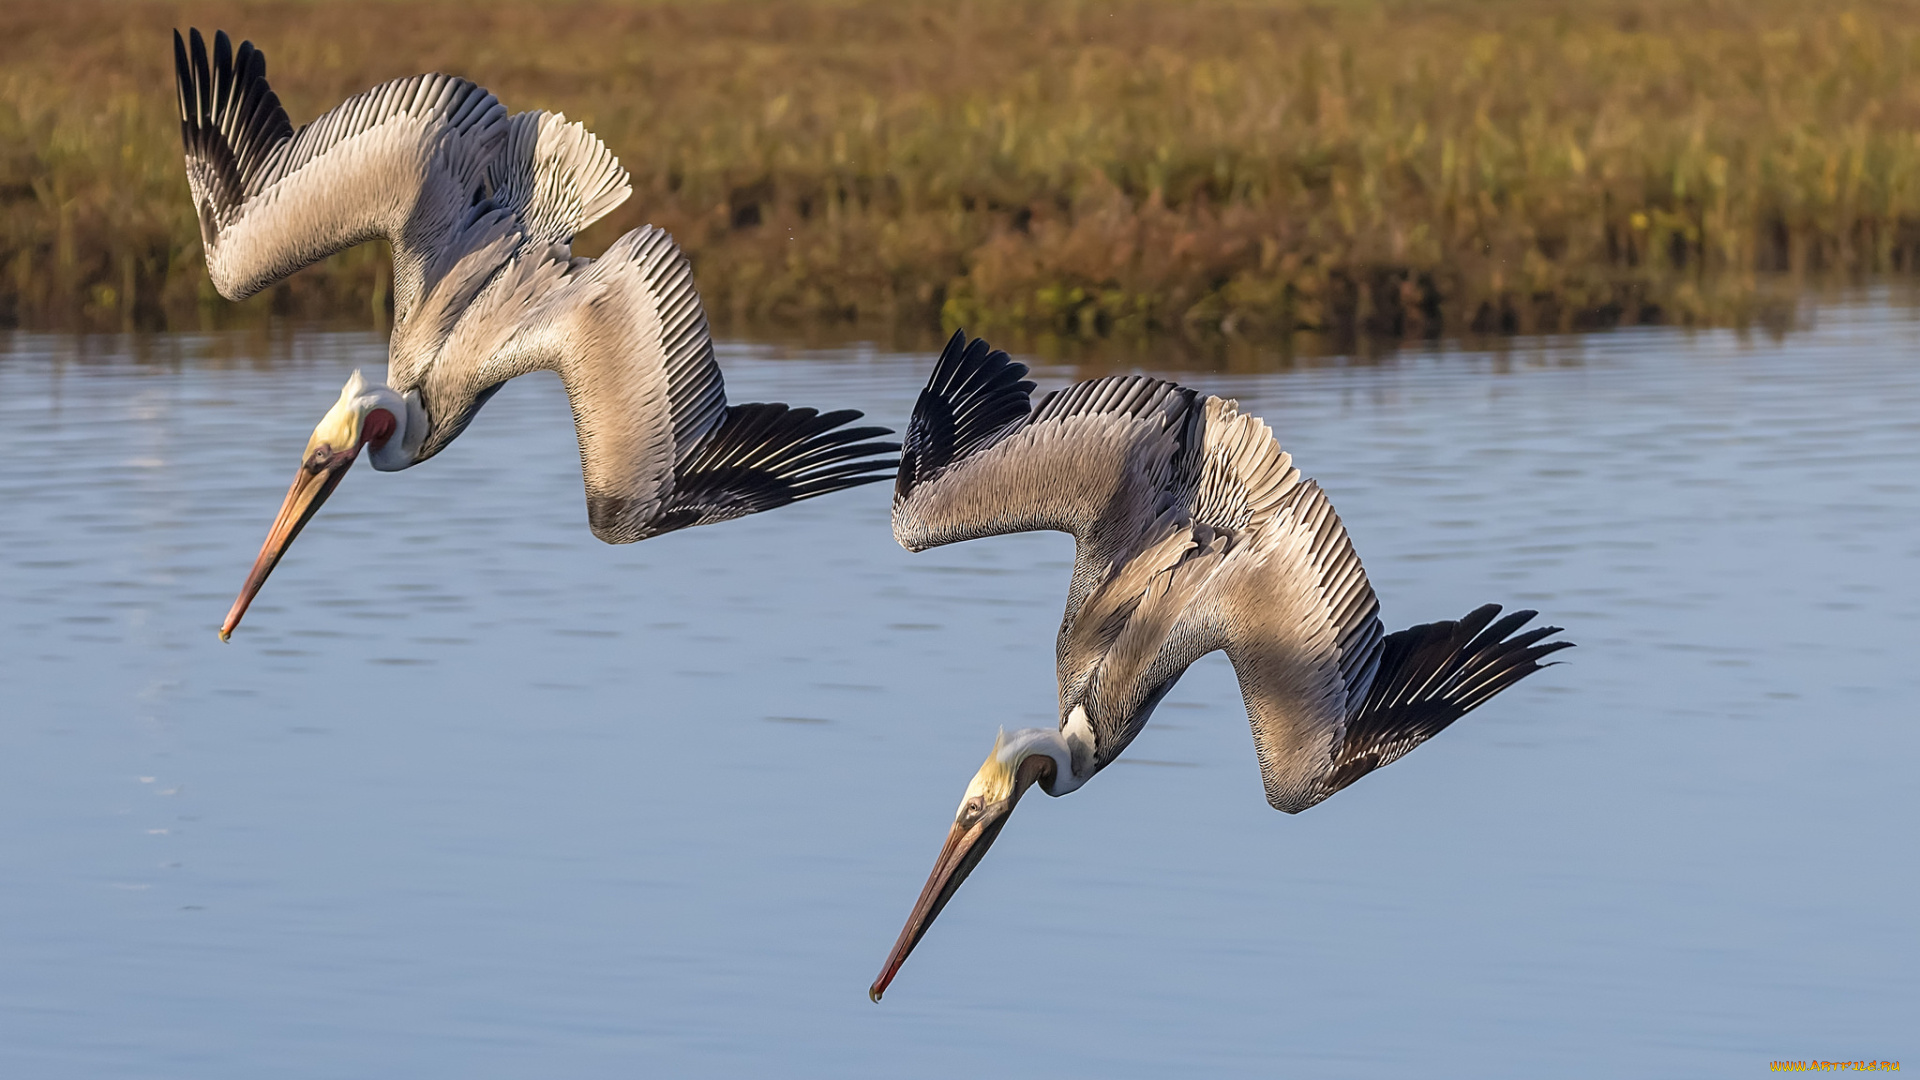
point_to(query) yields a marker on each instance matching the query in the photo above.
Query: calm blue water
(471, 794)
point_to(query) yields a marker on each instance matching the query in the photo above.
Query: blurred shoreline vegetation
(1056, 167)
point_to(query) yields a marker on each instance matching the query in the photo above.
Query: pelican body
(480, 209)
(1193, 532)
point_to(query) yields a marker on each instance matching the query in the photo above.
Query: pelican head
(1017, 763)
(368, 414)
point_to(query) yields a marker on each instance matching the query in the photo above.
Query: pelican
(481, 209)
(1193, 532)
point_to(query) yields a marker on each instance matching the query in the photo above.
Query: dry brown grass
(1257, 168)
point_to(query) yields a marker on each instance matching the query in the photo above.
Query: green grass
(1247, 169)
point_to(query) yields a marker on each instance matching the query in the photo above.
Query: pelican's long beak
(317, 478)
(966, 845)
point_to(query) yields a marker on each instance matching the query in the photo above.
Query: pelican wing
(555, 176)
(403, 161)
(1431, 675)
(1330, 697)
(1099, 460)
(1299, 620)
(660, 449)
(767, 455)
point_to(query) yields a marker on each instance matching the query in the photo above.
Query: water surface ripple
(472, 794)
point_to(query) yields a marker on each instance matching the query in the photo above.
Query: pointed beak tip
(874, 993)
(310, 489)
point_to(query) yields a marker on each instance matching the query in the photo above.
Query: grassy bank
(1255, 169)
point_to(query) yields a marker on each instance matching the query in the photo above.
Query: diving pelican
(1193, 532)
(481, 209)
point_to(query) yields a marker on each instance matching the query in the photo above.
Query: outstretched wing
(1431, 675)
(768, 455)
(1330, 697)
(402, 161)
(1300, 623)
(1100, 459)
(659, 447)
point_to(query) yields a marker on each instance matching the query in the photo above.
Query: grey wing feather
(1330, 696)
(628, 337)
(1301, 624)
(1099, 460)
(556, 176)
(403, 161)
(697, 397)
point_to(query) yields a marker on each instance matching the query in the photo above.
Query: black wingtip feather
(182, 76)
(1433, 674)
(974, 392)
(764, 456)
(223, 72)
(230, 118)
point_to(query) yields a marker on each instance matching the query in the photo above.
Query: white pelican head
(368, 414)
(1018, 761)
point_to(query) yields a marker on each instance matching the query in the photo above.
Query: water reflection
(473, 793)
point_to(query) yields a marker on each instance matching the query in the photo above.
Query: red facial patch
(377, 428)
